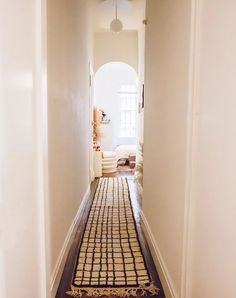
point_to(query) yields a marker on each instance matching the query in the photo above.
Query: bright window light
(128, 111)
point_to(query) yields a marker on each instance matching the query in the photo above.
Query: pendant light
(116, 25)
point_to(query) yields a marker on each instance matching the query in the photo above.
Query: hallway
(161, 76)
(72, 260)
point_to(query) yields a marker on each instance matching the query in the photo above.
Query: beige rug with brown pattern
(110, 259)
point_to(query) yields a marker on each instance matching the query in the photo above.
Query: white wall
(140, 118)
(166, 99)
(189, 162)
(68, 115)
(122, 47)
(108, 81)
(21, 100)
(141, 72)
(141, 54)
(213, 267)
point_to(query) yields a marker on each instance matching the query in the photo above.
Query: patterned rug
(110, 259)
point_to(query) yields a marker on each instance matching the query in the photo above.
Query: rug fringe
(142, 290)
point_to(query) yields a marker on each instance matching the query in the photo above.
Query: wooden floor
(71, 260)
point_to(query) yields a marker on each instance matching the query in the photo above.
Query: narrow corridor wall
(21, 182)
(68, 116)
(190, 110)
(140, 117)
(213, 248)
(165, 133)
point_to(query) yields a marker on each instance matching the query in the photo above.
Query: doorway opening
(116, 97)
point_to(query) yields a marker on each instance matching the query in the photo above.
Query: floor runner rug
(110, 259)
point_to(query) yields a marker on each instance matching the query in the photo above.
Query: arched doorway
(116, 94)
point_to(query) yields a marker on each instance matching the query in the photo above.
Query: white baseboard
(166, 281)
(58, 270)
(140, 189)
(92, 175)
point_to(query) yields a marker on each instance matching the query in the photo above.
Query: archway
(116, 93)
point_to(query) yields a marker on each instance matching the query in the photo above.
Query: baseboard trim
(58, 270)
(92, 175)
(140, 189)
(166, 281)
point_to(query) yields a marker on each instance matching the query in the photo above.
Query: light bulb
(116, 26)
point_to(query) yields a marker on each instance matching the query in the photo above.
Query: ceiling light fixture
(116, 25)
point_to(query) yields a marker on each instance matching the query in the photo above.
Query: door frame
(91, 106)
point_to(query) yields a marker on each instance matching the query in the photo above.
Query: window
(128, 104)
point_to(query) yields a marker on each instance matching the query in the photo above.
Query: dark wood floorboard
(136, 199)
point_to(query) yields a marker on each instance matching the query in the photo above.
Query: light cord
(116, 9)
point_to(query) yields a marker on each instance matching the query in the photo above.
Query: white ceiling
(130, 12)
